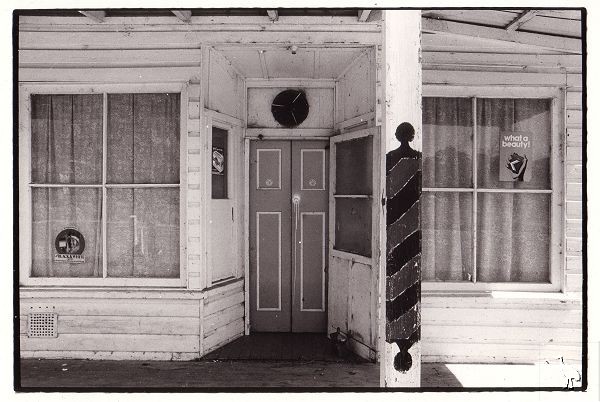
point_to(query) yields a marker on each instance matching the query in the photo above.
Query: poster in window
(69, 244)
(218, 161)
(516, 148)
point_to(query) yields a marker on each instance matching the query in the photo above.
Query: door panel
(309, 226)
(288, 240)
(270, 236)
(223, 250)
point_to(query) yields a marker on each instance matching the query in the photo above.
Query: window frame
(25, 184)
(333, 196)
(557, 184)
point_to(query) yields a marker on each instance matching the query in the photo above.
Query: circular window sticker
(69, 241)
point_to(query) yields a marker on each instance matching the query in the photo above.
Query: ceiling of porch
(285, 62)
(565, 23)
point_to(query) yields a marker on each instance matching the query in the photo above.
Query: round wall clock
(290, 107)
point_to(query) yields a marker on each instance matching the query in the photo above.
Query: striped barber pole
(403, 253)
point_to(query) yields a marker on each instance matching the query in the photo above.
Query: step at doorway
(284, 346)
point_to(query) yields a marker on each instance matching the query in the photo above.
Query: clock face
(290, 107)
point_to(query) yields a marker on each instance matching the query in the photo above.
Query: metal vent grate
(42, 325)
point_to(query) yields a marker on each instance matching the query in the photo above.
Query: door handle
(296, 212)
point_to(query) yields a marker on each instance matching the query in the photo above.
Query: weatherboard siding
(137, 323)
(98, 324)
(501, 327)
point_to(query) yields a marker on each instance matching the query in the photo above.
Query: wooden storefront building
(190, 176)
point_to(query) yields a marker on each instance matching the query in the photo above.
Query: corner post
(400, 93)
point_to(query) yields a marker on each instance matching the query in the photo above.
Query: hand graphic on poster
(517, 165)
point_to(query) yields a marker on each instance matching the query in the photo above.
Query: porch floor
(205, 374)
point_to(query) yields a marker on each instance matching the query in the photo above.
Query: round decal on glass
(69, 244)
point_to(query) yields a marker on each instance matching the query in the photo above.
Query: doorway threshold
(283, 346)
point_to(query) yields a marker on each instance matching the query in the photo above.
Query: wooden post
(399, 81)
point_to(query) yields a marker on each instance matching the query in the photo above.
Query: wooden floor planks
(202, 374)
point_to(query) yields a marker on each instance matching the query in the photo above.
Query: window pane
(67, 239)
(447, 142)
(143, 233)
(514, 139)
(447, 230)
(219, 168)
(66, 139)
(353, 225)
(143, 138)
(513, 237)
(354, 166)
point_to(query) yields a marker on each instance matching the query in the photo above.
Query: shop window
(353, 195)
(105, 186)
(488, 198)
(354, 167)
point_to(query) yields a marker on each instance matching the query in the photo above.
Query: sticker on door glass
(69, 244)
(268, 166)
(514, 148)
(218, 161)
(313, 169)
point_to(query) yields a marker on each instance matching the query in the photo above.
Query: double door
(288, 192)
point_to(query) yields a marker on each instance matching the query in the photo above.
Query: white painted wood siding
(498, 328)
(223, 315)
(225, 93)
(574, 184)
(355, 89)
(100, 324)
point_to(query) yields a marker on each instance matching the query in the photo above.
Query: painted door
(288, 236)
(354, 249)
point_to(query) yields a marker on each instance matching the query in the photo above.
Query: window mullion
(104, 195)
(474, 175)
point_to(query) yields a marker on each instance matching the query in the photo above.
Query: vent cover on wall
(290, 107)
(42, 325)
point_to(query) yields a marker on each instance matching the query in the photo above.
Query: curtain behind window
(513, 229)
(447, 162)
(66, 148)
(143, 147)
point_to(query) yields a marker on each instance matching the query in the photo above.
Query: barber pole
(400, 77)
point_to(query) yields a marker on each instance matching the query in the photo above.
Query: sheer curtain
(514, 229)
(66, 148)
(143, 148)
(447, 163)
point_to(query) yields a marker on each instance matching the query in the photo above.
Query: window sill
(27, 292)
(485, 288)
(106, 283)
(503, 297)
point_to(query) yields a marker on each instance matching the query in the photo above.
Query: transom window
(105, 187)
(489, 200)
